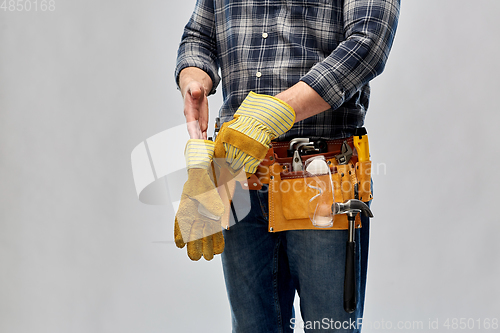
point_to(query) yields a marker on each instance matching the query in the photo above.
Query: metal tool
(345, 154)
(308, 149)
(293, 142)
(217, 124)
(315, 146)
(351, 208)
(293, 149)
(304, 146)
(297, 162)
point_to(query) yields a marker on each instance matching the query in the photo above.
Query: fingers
(218, 242)
(208, 246)
(217, 239)
(196, 110)
(194, 130)
(194, 250)
(185, 217)
(202, 236)
(203, 120)
(179, 242)
(206, 240)
(213, 243)
(195, 244)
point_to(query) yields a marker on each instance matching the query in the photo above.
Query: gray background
(81, 86)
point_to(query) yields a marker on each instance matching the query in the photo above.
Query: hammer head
(352, 206)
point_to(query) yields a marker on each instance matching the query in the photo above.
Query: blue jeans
(263, 270)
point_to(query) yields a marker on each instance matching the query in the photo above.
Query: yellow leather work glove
(244, 141)
(202, 234)
(226, 182)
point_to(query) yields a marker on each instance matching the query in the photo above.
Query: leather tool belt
(289, 194)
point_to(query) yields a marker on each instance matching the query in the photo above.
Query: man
(305, 63)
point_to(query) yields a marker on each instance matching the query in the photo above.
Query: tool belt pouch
(289, 193)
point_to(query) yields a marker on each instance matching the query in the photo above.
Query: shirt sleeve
(369, 27)
(198, 47)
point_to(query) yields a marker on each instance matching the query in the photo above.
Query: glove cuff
(199, 153)
(238, 159)
(253, 128)
(270, 111)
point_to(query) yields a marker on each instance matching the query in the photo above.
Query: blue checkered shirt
(266, 46)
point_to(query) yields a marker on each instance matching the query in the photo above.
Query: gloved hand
(202, 234)
(244, 141)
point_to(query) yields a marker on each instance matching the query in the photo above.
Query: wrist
(304, 100)
(193, 74)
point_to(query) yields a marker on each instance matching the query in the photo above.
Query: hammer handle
(349, 279)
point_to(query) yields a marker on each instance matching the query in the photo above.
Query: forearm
(197, 51)
(190, 74)
(369, 30)
(304, 100)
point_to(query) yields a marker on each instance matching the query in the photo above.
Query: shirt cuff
(206, 66)
(325, 84)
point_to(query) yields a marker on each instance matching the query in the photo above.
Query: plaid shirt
(266, 46)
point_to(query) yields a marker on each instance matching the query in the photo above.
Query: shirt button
(258, 74)
(264, 35)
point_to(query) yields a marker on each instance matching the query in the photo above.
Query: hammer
(351, 208)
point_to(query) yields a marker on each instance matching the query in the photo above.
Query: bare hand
(196, 110)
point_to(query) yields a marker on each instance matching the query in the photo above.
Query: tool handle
(362, 147)
(349, 279)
